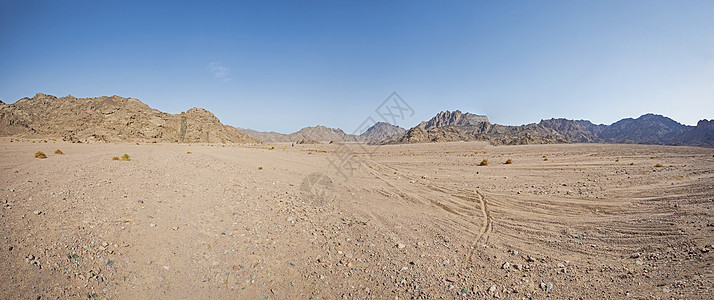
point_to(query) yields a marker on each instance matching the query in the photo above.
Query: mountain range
(115, 119)
(647, 129)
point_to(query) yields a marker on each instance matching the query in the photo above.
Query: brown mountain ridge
(111, 119)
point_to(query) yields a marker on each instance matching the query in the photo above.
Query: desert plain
(422, 221)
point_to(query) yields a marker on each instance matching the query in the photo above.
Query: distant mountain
(701, 135)
(315, 133)
(647, 129)
(455, 118)
(382, 132)
(111, 119)
(457, 126)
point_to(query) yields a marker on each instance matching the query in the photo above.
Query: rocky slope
(382, 132)
(701, 135)
(111, 119)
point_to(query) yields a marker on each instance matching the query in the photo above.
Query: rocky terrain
(382, 132)
(647, 129)
(111, 119)
(422, 221)
(456, 126)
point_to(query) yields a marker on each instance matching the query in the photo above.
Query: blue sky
(274, 65)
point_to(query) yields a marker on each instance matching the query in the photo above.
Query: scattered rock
(505, 266)
(401, 245)
(37, 212)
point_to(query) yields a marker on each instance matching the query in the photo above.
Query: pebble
(401, 245)
(505, 266)
(451, 279)
(153, 225)
(492, 289)
(635, 255)
(167, 267)
(37, 212)
(548, 286)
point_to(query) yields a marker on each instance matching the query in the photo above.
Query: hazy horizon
(284, 66)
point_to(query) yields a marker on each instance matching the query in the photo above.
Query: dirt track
(412, 221)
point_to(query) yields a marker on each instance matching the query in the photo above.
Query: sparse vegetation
(617, 160)
(632, 164)
(658, 166)
(260, 168)
(137, 143)
(545, 159)
(125, 157)
(40, 154)
(484, 162)
(58, 151)
(509, 162)
(189, 152)
(115, 158)
(271, 148)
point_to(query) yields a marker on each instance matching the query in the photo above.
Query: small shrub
(651, 157)
(137, 143)
(189, 152)
(632, 164)
(260, 168)
(58, 151)
(509, 162)
(617, 160)
(545, 159)
(115, 158)
(484, 162)
(125, 157)
(40, 155)
(271, 148)
(658, 166)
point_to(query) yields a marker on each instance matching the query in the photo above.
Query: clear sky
(283, 65)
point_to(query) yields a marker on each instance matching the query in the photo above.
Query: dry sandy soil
(411, 221)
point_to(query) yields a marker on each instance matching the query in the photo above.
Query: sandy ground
(410, 221)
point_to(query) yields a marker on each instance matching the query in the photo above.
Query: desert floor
(407, 221)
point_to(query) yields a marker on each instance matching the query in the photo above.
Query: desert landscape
(409, 221)
(356, 150)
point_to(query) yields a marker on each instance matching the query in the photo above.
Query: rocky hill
(382, 132)
(455, 118)
(111, 119)
(315, 133)
(454, 126)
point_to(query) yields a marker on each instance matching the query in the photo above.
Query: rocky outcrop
(111, 119)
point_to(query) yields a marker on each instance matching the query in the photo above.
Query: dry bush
(658, 166)
(484, 162)
(189, 152)
(545, 159)
(260, 168)
(617, 160)
(58, 151)
(115, 158)
(271, 148)
(40, 154)
(509, 162)
(125, 157)
(632, 164)
(137, 143)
